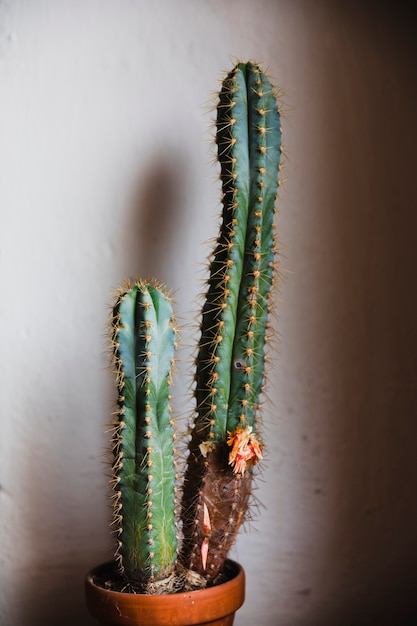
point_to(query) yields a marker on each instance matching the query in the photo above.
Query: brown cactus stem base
(214, 504)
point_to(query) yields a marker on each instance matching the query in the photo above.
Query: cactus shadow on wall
(154, 222)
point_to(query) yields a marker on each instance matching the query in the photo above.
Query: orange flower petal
(246, 449)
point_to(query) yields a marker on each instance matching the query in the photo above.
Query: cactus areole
(168, 541)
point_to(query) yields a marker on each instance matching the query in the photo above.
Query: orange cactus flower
(246, 449)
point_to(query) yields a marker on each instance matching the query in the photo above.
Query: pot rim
(120, 607)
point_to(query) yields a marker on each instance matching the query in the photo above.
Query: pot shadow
(68, 508)
(66, 515)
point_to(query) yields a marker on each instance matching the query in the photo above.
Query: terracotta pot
(214, 606)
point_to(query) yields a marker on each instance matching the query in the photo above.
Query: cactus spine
(143, 334)
(230, 362)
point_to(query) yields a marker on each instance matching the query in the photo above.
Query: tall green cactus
(143, 334)
(230, 362)
(230, 368)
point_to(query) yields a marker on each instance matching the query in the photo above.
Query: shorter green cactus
(143, 338)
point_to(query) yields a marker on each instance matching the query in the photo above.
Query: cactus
(143, 338)
(230, 362)
(225, 444)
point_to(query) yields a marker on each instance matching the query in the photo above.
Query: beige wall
(105, 173)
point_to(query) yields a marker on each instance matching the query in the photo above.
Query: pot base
(213, 606)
